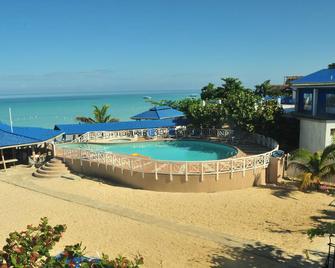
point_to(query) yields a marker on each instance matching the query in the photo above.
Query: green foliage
(267, 118)
(314, 167)
(31, 248)
(208, 116)
(230, 85)
(100, 116)
(209, 92)
(263, 89)
(240, 109)
(325, 229)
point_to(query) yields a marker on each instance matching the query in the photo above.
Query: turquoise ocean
(48, 111)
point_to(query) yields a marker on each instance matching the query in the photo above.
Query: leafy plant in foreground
(31, 248)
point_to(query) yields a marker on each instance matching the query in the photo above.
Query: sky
(117, 46)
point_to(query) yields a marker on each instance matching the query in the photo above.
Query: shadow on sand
(262, 256)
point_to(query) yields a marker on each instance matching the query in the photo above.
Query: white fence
(143, 165)
(101, 135)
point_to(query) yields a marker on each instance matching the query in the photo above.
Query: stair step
(54, 164)
(40, 175)
(53, 168)
(53, 172)
(56, 160)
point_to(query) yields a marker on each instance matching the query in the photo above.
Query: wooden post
(3, 160)
(33, 152)
(53, 149)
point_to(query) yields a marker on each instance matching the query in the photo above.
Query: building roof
(78, 129)
(25, 135)
(324, 77)
(157, 113)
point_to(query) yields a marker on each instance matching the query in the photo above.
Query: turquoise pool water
(180, 150)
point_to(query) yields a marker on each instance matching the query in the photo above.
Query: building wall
(315, 134)
(312, 134)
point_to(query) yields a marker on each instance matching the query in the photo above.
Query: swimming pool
(178, 150)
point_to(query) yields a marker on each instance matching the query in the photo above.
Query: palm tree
(100, 116)
(315, 167)
(263, 89)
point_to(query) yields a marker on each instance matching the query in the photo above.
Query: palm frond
(303, 167)
(328, 153)
(112, 119)
(85, 119)
(100, 115)
(301, 155)
(327, 170)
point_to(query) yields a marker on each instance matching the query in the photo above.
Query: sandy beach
(255, 226)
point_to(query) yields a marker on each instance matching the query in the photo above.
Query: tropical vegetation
(232, 104)
(31, 248)
(100, 115)
(314, 167)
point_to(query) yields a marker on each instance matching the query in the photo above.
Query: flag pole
(10, 120)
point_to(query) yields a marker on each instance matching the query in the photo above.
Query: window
(308, 102)
(332, 134)
(330, 103)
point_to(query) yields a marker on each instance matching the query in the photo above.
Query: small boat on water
(147, 97)
(193, 96)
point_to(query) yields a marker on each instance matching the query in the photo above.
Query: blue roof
(24, 135)
(322, 77)
(72, 129)
(158, 112)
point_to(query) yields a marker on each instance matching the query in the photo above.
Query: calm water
(183, 150)
(48, 111)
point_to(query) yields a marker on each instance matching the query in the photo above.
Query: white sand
(168, 229)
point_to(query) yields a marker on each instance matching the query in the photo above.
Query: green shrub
(31, 248)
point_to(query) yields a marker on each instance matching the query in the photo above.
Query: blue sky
(110, 45)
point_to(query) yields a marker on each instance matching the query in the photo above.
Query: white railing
(101, 135)
(143, 165)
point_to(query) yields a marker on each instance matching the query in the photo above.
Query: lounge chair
(172, 133)
(151, 133)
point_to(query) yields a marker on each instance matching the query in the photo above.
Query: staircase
(55, 168)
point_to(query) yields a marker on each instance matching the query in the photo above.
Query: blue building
(315, 108)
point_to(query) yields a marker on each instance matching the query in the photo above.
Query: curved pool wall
(238, 173)
(164, 183)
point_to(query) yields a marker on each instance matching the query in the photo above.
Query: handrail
(139, 164)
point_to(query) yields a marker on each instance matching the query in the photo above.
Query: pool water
(180, 150)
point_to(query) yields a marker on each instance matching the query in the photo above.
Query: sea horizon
(48, 110)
